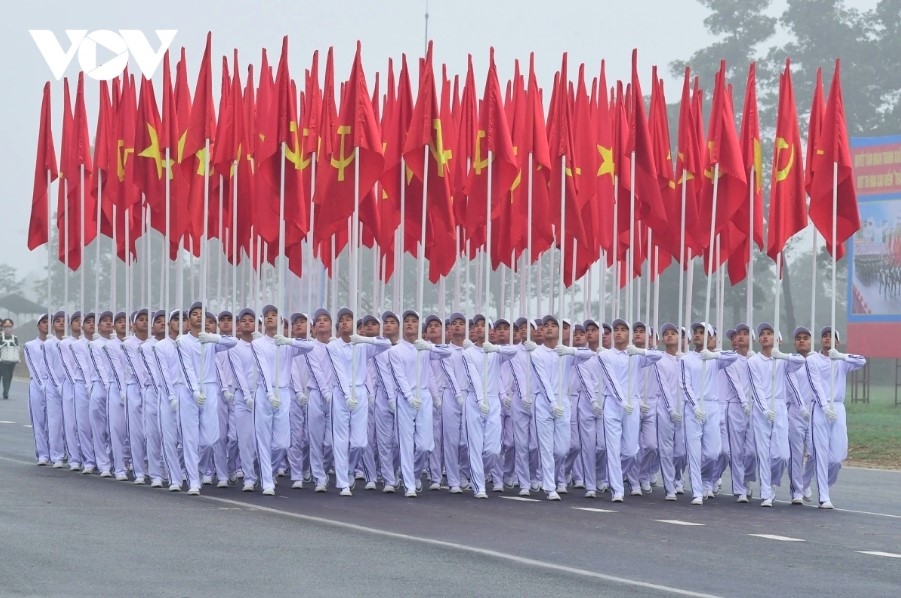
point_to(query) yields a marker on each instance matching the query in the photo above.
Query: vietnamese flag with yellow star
(150, 167)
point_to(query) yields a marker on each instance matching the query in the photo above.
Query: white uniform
(99, 404)
(72, 384)
(670, 433)
(245, 373)
(116, 402)
(172, 387)
(81, 358)
(319, 389)
(770, 438)
(299, 451)
(525, 434)
(54, 400)
(739, 432)
(135, 383)
(37, 401)
(386, 420)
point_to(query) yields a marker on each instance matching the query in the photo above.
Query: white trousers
(273, 431)
(484, 437)
(771, 441)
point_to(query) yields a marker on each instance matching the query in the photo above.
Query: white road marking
(677, 522)
(470, 549)
(775, 537)
(3, 421)
(879, 553)
(593, 510)
(520, 498)
(26, 426)
(851, 510)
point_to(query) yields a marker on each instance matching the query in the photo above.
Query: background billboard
(874, 253)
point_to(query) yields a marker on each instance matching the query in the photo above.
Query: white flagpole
(560, 278)
(682, 259)
(115, 265)
(420, 261)
(614, 314)
(281, 258)
(630, 275)
(399, 261)
(166, 244)
(716, 179)
(834, 266)
(458, 265)
(235, 250)
(354, 263)
(65, 252)
(96, 248)
(749, 308)
(310, 243)
(50, 248)
(82, 303)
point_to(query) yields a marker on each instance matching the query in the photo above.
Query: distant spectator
(9, 355)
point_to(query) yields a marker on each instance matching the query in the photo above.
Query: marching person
(432, 332)
(198, 403)
(736, 380)
(116, 399)
(700, 389)
(81, 355)
(769, 370)
(245, 373)
(621, 367)
(525, 437)
(99, 394)
(73, 384)
(350, 354)
(413, 400)
(670, 433)
(152, 398)
(9, 355)
(503, 471)
(319, 391)
(172, 387)
(53, 355)
(35, 357)
(386, 407)
(299, 451)
(829, 436)
(135, 378)
(805, 388)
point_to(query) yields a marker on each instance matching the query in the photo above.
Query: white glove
(707, 355)
(422, 345)
(461, 398)
(679, 354)
(327, 397)
(352, 403)
(467, 344)
(229, 396)
(751, 352)
(777, 354)
(248, 400)
(489, 348)
(563, 350)
(392, 405)
(356, 339)
(700, 414)
(508, 402)
(122, 398)
(559, 410)
(805, 412)
(90, 389)
(273, 400)
(645, 408)
(597, 408)
(199, 398)
(836, 355)
(173, 404)
(300, 398)
(676, 416)
(527, 403)
(633, 350)
(282, 341)
(436, 400)
(529, 346)
(205, 337)
(771, 415)
(484, 408)
(629, 408)
(746, 408)
(256, 334)
(830, 414)
(415, 403)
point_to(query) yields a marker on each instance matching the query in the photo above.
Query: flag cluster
(494, 169)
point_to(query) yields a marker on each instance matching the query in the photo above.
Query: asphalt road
(65, 534)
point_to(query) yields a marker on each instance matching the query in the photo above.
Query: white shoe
(604, 487)
(553, 495)
(498, 488)
(58, 465)
(239, 475)
(139, 481)
(680, 490)
(269, 492)
(411, 493)
(636, 491)
(207, 480)
(579, 485)
(719, 486)
(591, 494)
(359, 476)
(193, 491)
(320, 488)
(826, 505)
(174, 488)
(481, 494)
(435, 486)
(671, 497)
(808, 495)
(222, 484)
(654, 480)
(418, 485)
(74, 466)
(646, 487)
(797, 500)
(697, 500)
(709, 494)
(297, 485)
(561, 489)
(523, 492)
(105, 474)
(742, 498)
(121, 477)
(617, 498)
(767, 503)
(41, 462)
(369, 486)
(233, 478)
(156, 483)
(281, 472)
(456, 490)
(87, 470)
(346, 492)
(389, 489)
(248, 487)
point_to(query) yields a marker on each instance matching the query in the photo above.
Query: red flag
(753, 159)
(45, 171)
(667, 239)
(201, 130)
(814, 125)
(468, 122)
(787, 215)
(606, 202)
(493, 155)
(832, 172)
(535, 143)
(149, 161)
(76, 157)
